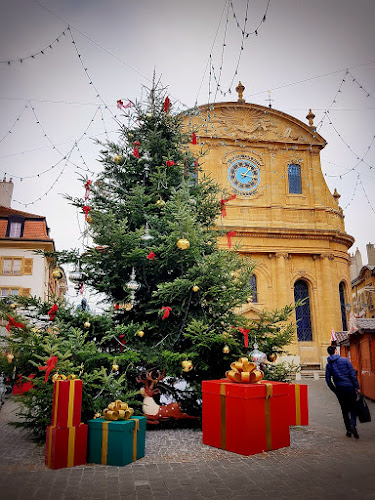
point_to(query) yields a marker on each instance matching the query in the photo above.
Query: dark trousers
(347, 398)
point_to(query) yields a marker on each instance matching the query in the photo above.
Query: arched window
(294, 178)
(342, 306)
(301, 292)
(254, 288)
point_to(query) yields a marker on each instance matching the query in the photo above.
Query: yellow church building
(277, 207)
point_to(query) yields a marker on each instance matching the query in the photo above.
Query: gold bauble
(87, 324)
(10, 357)
(160, 203)
(187, 365)
(115, 367)
(140, 333)
(117, 158)
(89, 219)
(183, 244)
(195, 288)
(12, 305)
(249, 300)
(128, 306)
(57, 273)
(272, 357)
(226, 349)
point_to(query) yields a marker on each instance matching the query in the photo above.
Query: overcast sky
(301, 53)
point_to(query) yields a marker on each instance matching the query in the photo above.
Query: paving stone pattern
(320, 463)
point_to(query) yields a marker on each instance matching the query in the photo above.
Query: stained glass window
(294, 178)
(254, 288)
(303, 317)
(342, 306)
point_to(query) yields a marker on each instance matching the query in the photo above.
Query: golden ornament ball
(249, 300)
(272, 357)
(183, 244)
(160, 203)
(187, 365)
(12, 305)
(140, 333)
(10, 357)
(117, 158)
(89, 219)
(57, 273)
(226, 349)
(195, 288)
(87, 324)
(128, 306)
(115, 368)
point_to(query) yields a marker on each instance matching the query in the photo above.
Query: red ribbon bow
(12, 322)
(51, 363)
(170, 163)
(167, 103)
(86, 209)
(194, 138)
(166, 310)
(229, 237)
(151, 256)
(52, 312)
(87, 187)
(224, 201)
(245, 332)
(120, 104)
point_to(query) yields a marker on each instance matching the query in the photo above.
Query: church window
(342, 306)
(294, 178)
(254, 288)
(303, 317)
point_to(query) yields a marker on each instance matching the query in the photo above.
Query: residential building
(363, 283)
(22, 270)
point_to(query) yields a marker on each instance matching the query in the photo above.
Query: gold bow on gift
(118, 411)
(244, 371)
(58, 376)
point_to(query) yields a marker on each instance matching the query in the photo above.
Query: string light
(255, 32)
(15, 122)
(36, 54)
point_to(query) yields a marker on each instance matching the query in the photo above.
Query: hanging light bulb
(147, 236)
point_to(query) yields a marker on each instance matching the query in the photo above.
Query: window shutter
(25, 292)
(28, 266)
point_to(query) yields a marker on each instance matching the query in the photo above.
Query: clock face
(244, 175)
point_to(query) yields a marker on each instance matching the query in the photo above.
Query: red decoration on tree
(87, 187)
(120, 104)
(123, 342)
(167, 103)
(245, 332)
(166, 310)
(194, 138)
(86, 209)
(224, 201)
(12, 322)
(170, 163)
(51, 363)
(151, 256)
(136, 149)
(52, 312)
(117, 306)
(229, 237)
(195, 166)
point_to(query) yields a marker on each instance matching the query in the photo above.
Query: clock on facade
(244, 174)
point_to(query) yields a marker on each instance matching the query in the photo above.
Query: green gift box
(118, 442)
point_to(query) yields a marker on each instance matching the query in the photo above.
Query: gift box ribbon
(298, 404)
(118, 411)
(244, 371)
(105, 440)
(267, 414)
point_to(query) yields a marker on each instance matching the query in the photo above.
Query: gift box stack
(118, 439)
(66, 441)
(250, 418)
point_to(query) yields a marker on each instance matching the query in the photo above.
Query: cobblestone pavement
(320, 463)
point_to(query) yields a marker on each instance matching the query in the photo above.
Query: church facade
(278, 211)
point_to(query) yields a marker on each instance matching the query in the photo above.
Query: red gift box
(67, 401)
(298, 405)
(245, 418)
(66, 447)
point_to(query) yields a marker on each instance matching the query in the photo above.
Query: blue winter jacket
(341, 372)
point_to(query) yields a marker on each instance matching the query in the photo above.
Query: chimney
(6, 192)
(370, 254)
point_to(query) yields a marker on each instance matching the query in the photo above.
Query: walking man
(341, 378)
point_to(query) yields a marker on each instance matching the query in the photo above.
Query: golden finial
(311, 117)
(336, 195)
(240, 88)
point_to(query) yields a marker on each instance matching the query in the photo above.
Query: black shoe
(354, 432)
(349, 434)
